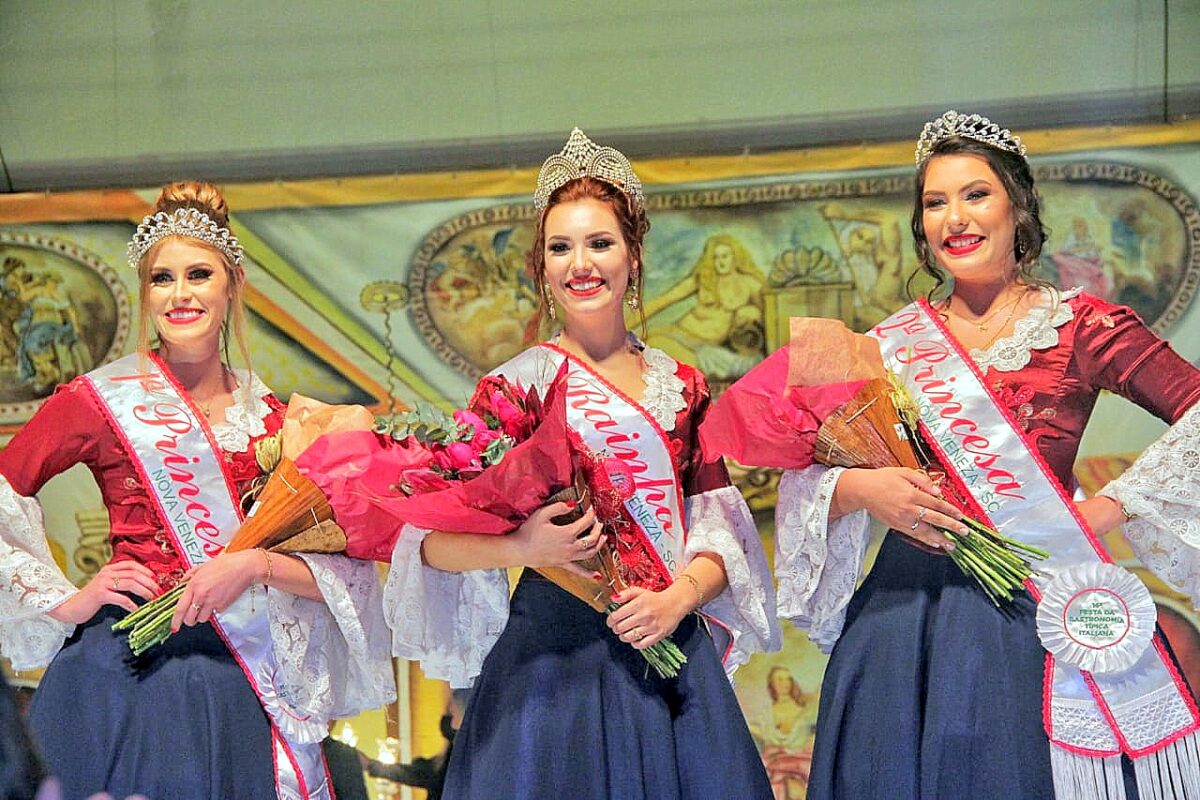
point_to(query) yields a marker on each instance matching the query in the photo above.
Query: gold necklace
(982, 324)
(206, 405)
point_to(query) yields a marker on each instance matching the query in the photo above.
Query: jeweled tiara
(972, 126)
(580, 158)
(190, 222)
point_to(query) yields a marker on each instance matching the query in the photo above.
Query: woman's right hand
(109, 587)
(541, 543)
(905, 500)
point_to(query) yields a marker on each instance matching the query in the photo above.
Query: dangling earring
(633, 291)
(633, 300)
(549, 299)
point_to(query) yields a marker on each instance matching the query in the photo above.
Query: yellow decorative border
(505, 182)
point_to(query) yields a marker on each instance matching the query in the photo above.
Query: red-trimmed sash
(613, 423)
(179, 463)
(1144, 711)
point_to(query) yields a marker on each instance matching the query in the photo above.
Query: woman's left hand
(1102, 514)
(214, 586)
(645, 616)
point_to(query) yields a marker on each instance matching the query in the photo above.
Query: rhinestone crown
(581, 157)
(972, 126)
(190, 222)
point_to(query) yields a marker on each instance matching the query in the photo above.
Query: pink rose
(456, 456)
(463, 417)
(512, 419)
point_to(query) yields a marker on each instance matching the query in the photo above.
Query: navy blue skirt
(932, 693)
(179, 722)
(564, 709)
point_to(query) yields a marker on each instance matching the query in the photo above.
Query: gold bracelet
(1129, 515)
(270, 566)
(695, 585)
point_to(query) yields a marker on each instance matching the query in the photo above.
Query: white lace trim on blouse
(817, 562)
(31, 584)
(246, 418)
(719, 522)
(333, 656)
(447, 621)
(1162, 488)
(664, 389)
(1037, 330)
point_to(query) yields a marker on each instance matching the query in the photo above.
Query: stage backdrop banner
(395, 290)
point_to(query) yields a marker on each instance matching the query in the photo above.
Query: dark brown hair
(631, 218)
(1029, 234)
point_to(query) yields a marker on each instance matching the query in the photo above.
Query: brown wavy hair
(630, 217)
(207, 198)
(1029, 234)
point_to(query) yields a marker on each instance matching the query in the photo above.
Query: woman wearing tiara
(564, 705)
(270, 646)
(931, 691)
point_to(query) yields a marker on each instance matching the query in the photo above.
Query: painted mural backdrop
(727, 268)
(366, 288)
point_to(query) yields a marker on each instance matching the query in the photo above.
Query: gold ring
(921, 513)
(197, 606)
(116, 583)
(583, 543)
(637, 633)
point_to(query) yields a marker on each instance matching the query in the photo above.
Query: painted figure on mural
(49, 349)
(785, 739)
(931, 691)
(564, 703)
(871, 244)
(481, 292)
(722, 332)
(241, 718)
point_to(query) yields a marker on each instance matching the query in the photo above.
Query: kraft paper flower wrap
(827, 398)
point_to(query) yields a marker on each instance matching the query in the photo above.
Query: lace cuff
(1162, 488)
(719, 522)
(30, 584)
(332, 655)
(817, 562)
(448, 621)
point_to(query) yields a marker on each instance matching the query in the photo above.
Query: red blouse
(70, 428)
(1105, 346)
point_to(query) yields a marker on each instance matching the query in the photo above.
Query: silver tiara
(580, 158)
(190, 222)
(972, 126)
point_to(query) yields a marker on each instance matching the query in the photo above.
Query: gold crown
(583, 158)
(971, 126)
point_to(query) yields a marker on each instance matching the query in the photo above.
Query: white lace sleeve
(719, 522)
(30, 584)
(448, 621)
(1162, 488)
(817, 562)
(333, 655)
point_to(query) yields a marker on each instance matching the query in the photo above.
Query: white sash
(1145, 711)
(173, 451)
(610, 422)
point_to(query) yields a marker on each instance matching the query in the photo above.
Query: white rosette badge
(1097, 617)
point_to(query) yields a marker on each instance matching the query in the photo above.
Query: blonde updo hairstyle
(206, 198)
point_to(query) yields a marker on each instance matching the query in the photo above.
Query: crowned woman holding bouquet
(270, 646)
(934, 689)
(564, 704)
